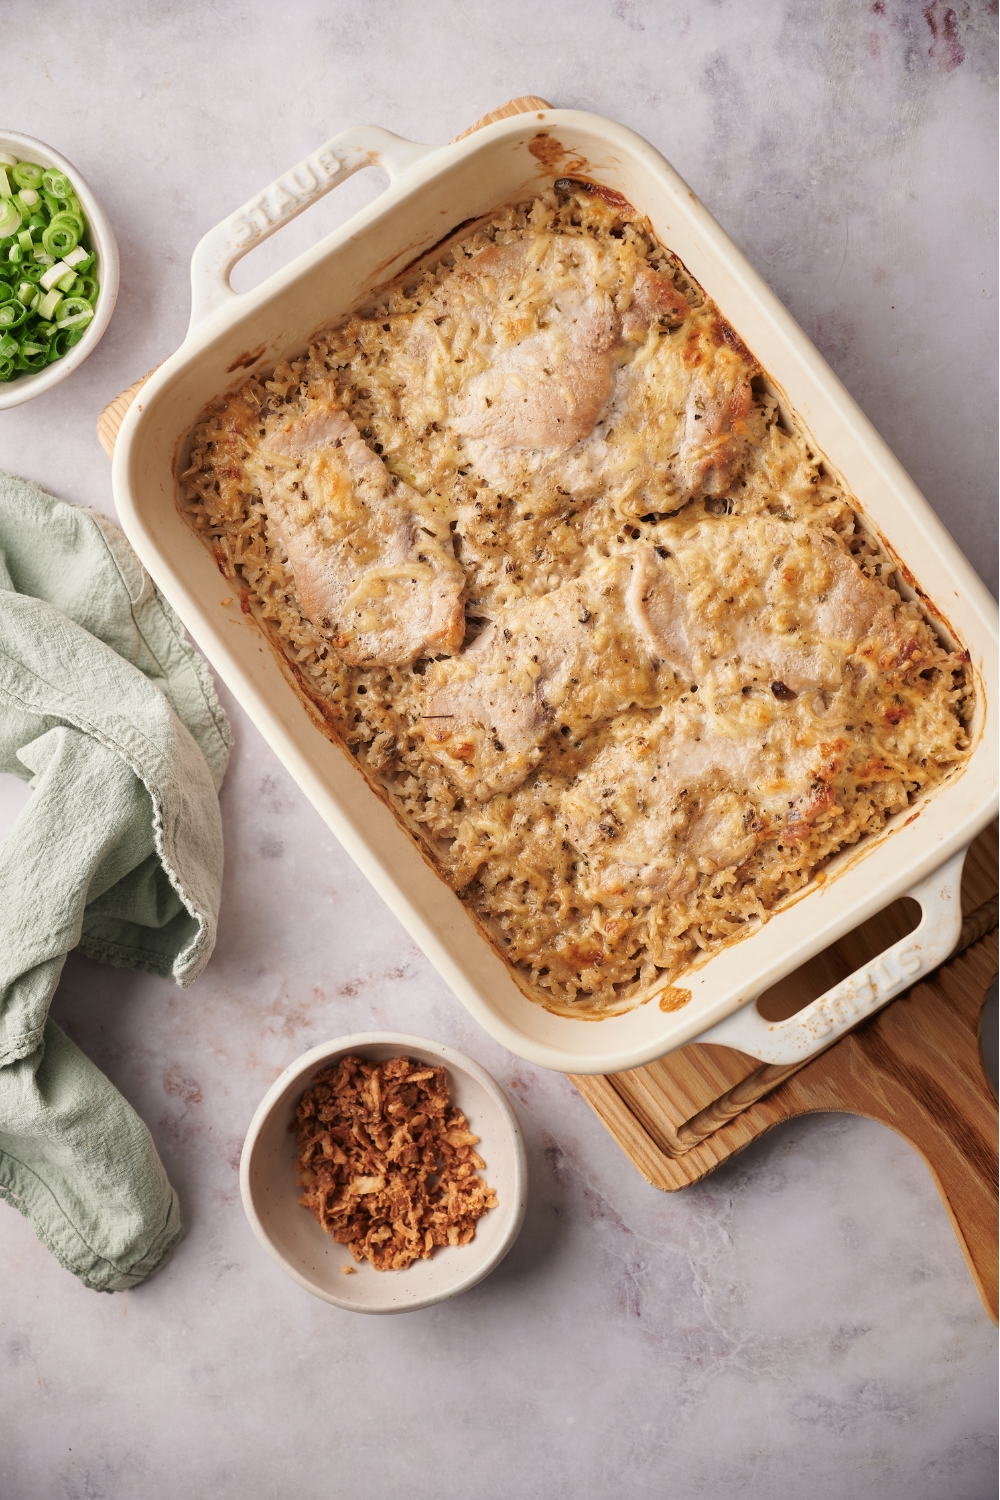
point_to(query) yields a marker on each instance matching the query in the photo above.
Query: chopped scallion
(12, 314)
(32, 356)
(50, 305)
(52, 275)
(56, 183)
(61, 236)
(74, 311)
(47, 289)
(27, 174)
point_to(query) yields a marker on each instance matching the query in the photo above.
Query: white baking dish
(431, 190)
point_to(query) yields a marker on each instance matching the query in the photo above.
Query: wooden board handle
(111, 418)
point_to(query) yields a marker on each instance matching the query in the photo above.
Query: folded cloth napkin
(112, 718)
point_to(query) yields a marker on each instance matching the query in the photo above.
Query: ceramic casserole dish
(432, 190)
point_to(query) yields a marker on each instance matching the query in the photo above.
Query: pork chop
(798, 604)
(546, 335)
(364, 563)
(543, 661)
(656, 810)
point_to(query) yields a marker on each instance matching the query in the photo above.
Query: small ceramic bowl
(102, 241)
(292, 1237)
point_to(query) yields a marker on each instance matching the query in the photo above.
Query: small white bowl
(24, 387)
(292, 1237)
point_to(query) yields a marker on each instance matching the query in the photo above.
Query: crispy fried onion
(387, 1165)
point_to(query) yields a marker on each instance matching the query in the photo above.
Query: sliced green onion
(12, 314)
(47, 291)
(53, 274)
(27, 174)
(69, 218)
(72, 319)
(56, 183)
(50, 305)
(32, 356)
(6, 160)
(60, 237)
(77, 305)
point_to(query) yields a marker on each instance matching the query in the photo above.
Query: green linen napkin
(112, 718)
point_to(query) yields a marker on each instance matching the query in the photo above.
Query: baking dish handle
(862, 993)
(217, 253)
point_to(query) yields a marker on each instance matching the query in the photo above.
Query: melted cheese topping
(606, 632)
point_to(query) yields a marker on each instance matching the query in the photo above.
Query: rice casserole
(539, 543)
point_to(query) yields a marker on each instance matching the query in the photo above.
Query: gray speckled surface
(802, 1323)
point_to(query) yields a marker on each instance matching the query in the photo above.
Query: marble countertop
(800, 1323)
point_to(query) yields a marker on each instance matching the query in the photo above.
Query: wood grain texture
(916, 1067)
(520, 106)
(111, 418)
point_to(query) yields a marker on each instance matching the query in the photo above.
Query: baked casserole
(538, 540)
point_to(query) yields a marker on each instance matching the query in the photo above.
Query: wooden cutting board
(916, 1067)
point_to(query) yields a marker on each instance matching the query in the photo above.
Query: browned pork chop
(544, 661)
(364, 564)
(547, 337)
(799, 604)
(658, 809)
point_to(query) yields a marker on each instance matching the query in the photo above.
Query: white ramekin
(292, 1237)
(26, 148)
